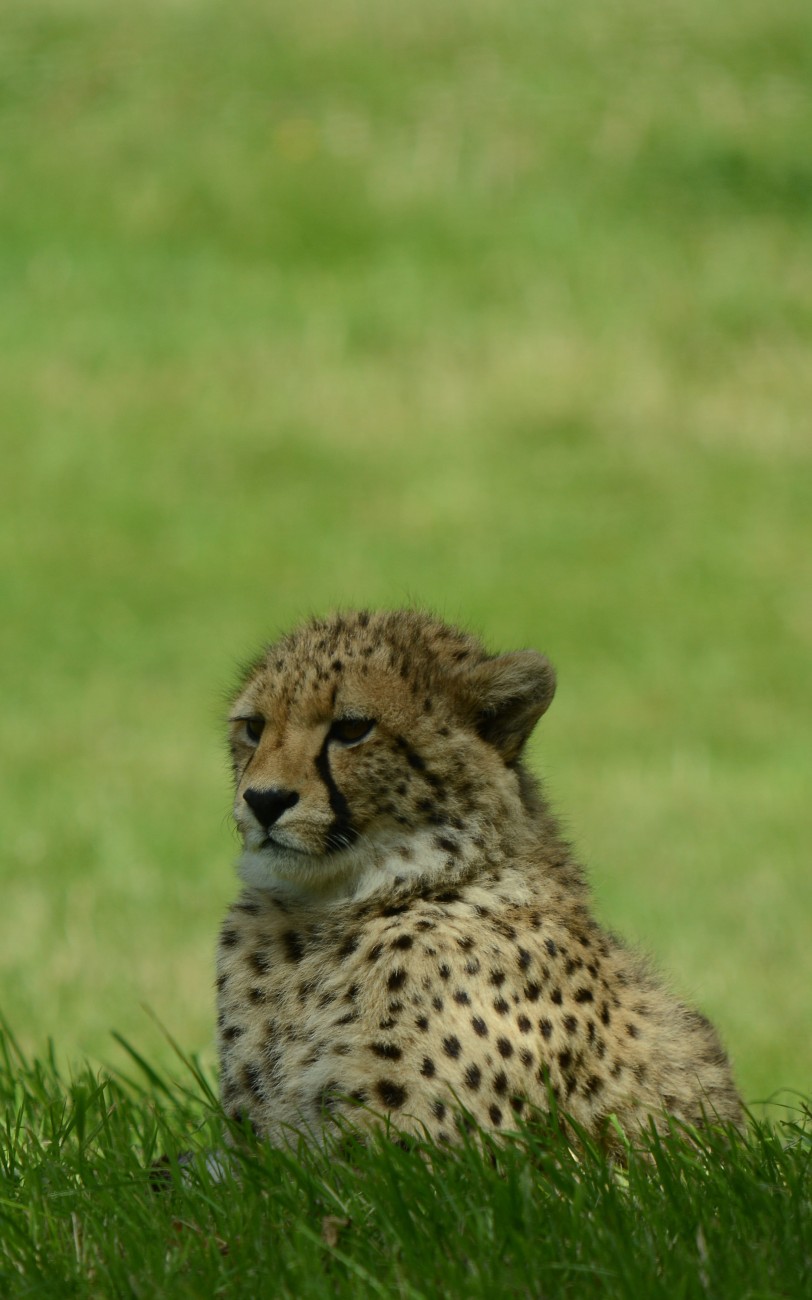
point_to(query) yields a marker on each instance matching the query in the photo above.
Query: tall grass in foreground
(532, 1217)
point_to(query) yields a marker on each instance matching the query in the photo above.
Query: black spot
(422, 1022)
(438, 1109)
(473, 1077)
(524, 1024)
(526, 1057)
(593, 1085)
(251, 1079)
(231, 1032)
(462, 998)
(386, 1051)
(411, 755)
(504, 1047)
(348, 1019)
(257, 995)
(466, 943)
(546, 1028)
(349, 945)
(394, 909)
(556, 997)
(632, 1031)
(549, 944)
(573, 965)
(495, 1115)
(570, 1024)
(228, 938)
(451, 1046)
(501, 1006)
(565, 1060)
(326, 1098)
(524, 959)
(428, 1068)
(584, 995)
(517, 1103)
(396, 980)
(375, 952)
(391, 1094)
(249, 908)
(437, 1003)
(444, 970)
(500, 1084)
(403, 942)
(449, 896)
(480, 1028)
(472, 966)
(445, 845)
(259, 962)
(532, 992)
(497, 978)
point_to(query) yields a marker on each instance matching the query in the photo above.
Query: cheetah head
(372, 746)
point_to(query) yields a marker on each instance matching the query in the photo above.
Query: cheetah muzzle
(414, 935)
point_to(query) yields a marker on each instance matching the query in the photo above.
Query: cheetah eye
(350, 731)
(254, 728)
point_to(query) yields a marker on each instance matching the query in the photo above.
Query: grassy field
(79, 1215)
(500, 307)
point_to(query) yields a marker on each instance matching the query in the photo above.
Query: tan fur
(415, 936)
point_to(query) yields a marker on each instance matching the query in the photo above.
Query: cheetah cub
(414, 936)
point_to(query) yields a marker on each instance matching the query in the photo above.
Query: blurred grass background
(503, 307)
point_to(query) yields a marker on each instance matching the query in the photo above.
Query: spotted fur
(414, 935)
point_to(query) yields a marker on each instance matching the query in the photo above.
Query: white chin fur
(357, 872)
(302, 872)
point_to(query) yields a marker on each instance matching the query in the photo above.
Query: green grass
(533, 1217)
(506, 308)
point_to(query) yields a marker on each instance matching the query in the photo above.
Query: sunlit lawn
(84, 1210)
(501, 308)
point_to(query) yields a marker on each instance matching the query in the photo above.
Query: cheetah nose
(268, 805)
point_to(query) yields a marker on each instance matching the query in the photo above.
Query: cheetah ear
(509, 695)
